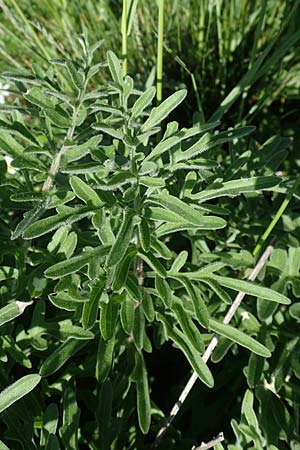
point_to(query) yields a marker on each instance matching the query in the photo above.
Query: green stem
(159, 78)
(277, 216)
(124, 38)
(56, 161)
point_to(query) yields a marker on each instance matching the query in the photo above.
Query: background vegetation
(239, 62)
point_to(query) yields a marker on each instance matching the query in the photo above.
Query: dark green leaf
(123, 239)
(74, 264)
(140, 378)
(104, 358)
(61, 355)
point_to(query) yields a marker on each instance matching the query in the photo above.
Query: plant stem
(124, 38)
(212, 345)
(210, 444)
(159, 76)
(277, 216)
(56, 161)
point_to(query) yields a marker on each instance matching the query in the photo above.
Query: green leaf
(294, 310)
(115, 67)
(162, 214)
(65, 329)
(179, 261)
(122, 269)
(140, 378)
(17, 390)
(82, 169)
(123, 239)
(255, 370)
(28, 197)
(63, 300)
(51, 223)
(37, 96)
(144, 235)
(185, 212)
(139, 327)
(22, 77)
(142, 102)
(70, 428)
(16, 352)
(118, 179)
(162, 147)
(104, 414)
(58, 117)
(248, 411)
(189, 351)
(76, 263)
(75, 152)
(90, 308)
(61, 355)
(221, 293)
(242, 286)
(188, 327)
(159, 113)
(29, 218)
(208, 223)
(154, 263)
(68, 246)
(152, 182)
(3, 446)
(164, 290)
(52, 443)
(50, 422)
(133, 288)
(104, 358)
(76, 76)
(207, 141)
(222, 349)
(12, 310)
(200, 309)
(237, 187)
(83, 191)
(127, 315)
(148, 307)
(239, 337)
(7, 272)
(108, 319)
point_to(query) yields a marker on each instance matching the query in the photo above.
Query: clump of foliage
(121, 233)
(74, 143)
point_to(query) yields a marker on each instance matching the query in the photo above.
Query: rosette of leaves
(104, 185)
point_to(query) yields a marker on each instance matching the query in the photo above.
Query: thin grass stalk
(277, 216)
(124, 38)
(201, 27)
(160, 43)
(220, 32)
(32, 31)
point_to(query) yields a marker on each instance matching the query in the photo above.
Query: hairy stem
(56, 161)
